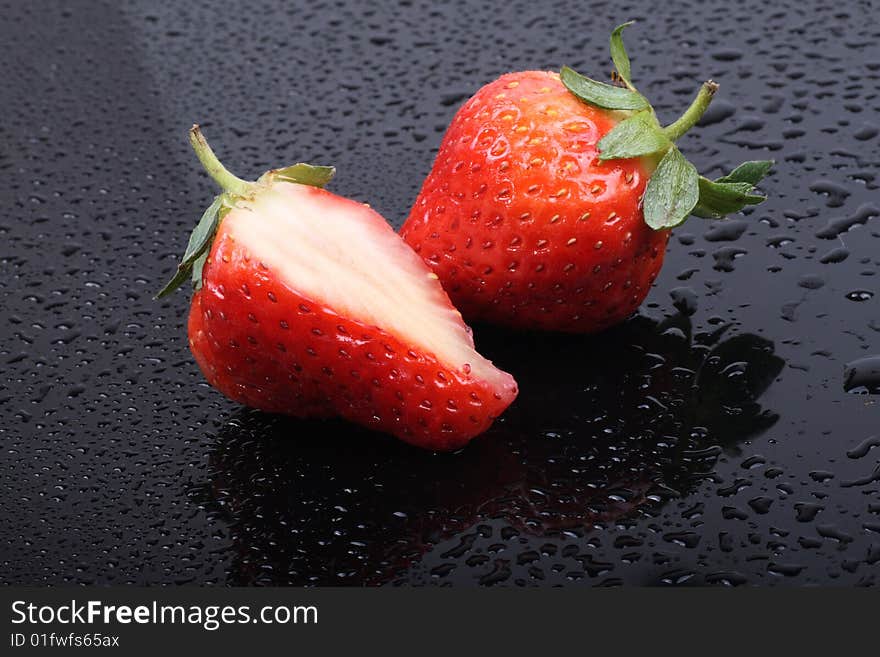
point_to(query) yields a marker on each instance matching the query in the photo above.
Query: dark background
(710, 440)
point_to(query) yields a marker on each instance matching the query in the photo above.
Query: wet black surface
(727, 435)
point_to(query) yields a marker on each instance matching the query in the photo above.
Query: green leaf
(199, 241)
(180, 276)
(731, 193)
(618, 53)
(600, 94)
(672, 191)
(748, 172)
(197, 268)
(304, 174)
(722, 198)
(638, 135)
(203, 233)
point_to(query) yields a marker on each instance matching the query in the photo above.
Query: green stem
(229, 182)
(693, 113)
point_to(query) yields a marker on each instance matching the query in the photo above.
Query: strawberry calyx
(234, 189)
(675, 190)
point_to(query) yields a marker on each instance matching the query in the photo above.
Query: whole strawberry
(552, 197)
(309, 304)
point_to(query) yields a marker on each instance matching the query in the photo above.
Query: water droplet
(863, 375)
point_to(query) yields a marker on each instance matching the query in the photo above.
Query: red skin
(264, 345)
(516, 179)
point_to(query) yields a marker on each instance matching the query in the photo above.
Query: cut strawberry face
(342, 254)
(309, 304)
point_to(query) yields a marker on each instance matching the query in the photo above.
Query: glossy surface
(119, 463)
(523, 223)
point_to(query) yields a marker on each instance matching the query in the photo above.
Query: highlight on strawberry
(550, 202)
(309, 304)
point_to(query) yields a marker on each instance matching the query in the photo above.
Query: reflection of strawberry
(591, 440)
(551, 197)
(308, 304)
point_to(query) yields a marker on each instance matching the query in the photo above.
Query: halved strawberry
(309, 304)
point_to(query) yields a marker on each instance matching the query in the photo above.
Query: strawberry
(550, 202)
(309, 304)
